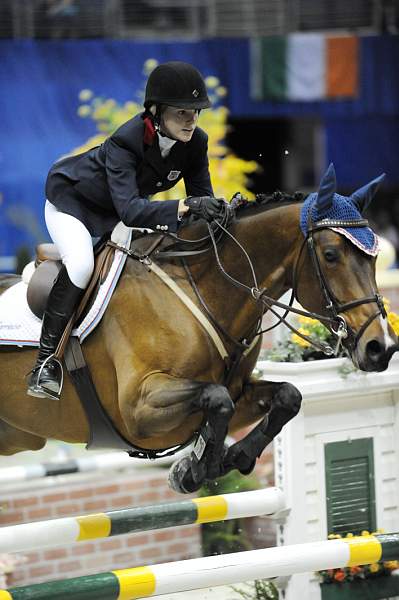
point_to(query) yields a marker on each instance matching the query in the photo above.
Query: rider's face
(179, 123)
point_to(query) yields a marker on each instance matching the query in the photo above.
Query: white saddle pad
(20, 327)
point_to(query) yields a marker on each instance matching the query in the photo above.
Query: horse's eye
(330, 254)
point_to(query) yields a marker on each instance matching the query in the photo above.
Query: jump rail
(58, 532)
(86, 464)
(197, 573)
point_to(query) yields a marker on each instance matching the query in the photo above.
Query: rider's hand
(205, 207)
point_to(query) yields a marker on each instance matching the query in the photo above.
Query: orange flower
(339, 575)
(355, 570)
(391, 564)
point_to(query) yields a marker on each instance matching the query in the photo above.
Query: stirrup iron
(41, 388)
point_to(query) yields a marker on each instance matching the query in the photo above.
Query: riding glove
(205, 207)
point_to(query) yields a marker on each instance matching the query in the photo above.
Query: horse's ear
(364, 195)
(326, 192)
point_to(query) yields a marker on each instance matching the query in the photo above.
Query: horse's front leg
(278, 403)
(165, 407)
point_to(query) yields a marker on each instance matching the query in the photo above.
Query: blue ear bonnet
(327, 204)
(343, 209)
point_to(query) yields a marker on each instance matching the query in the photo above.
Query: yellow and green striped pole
(58, 532)
(142, 582)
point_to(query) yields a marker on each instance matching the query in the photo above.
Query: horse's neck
(272, 239)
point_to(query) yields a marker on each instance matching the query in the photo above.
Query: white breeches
(73, 242)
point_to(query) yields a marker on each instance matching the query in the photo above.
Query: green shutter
(350, 486)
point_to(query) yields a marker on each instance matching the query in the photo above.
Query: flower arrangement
(358, 573)
(229, 173)
(297, 349)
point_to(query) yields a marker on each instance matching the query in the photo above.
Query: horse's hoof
(180, 478)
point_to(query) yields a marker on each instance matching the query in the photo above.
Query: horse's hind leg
(284, 401)
(14, 440)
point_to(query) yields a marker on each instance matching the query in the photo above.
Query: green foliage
(260, 589)
(297, 349)
(229, 484)
(286, 351)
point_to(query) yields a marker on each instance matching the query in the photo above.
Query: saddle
(47, 266)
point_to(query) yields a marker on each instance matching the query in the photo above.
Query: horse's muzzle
(376, 356)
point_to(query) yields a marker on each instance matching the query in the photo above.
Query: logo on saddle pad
(173, 175)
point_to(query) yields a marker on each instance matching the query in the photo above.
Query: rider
(88, 194)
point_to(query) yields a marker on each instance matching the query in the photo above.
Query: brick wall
(84, 494)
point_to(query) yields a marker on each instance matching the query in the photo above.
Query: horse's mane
(262, 202)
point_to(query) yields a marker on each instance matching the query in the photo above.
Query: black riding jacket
(113, 182)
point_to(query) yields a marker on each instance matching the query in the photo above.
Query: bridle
(335, 320)
(333, 305)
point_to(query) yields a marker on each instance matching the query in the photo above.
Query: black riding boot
(46, 376)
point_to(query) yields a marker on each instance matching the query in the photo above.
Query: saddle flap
(144, 244)
(40, 285)
(47, 270)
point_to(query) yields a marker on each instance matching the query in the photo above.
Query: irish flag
(304, 67)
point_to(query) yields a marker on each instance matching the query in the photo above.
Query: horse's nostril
(374, 349)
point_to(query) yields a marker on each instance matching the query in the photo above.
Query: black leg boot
(46, 376)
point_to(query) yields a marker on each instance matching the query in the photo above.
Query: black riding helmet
(177, 84)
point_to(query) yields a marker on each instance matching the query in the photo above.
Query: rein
(333, 305)
(217, 230)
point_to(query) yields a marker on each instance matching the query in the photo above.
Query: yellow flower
(307, 320)
(392, 565)
(149, 65)
(365, 532)
(393, 320)
(85, 95)
(296, 339)
(349, 535)
(84, 110)
(374, 568)
(387, 303)
(211, 81)
(132, 107)
(221, 91)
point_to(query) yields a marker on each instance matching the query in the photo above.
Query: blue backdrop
(40, 82)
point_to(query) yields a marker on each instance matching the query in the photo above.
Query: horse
(158, 373)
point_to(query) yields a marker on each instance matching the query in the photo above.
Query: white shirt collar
(165, 144)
